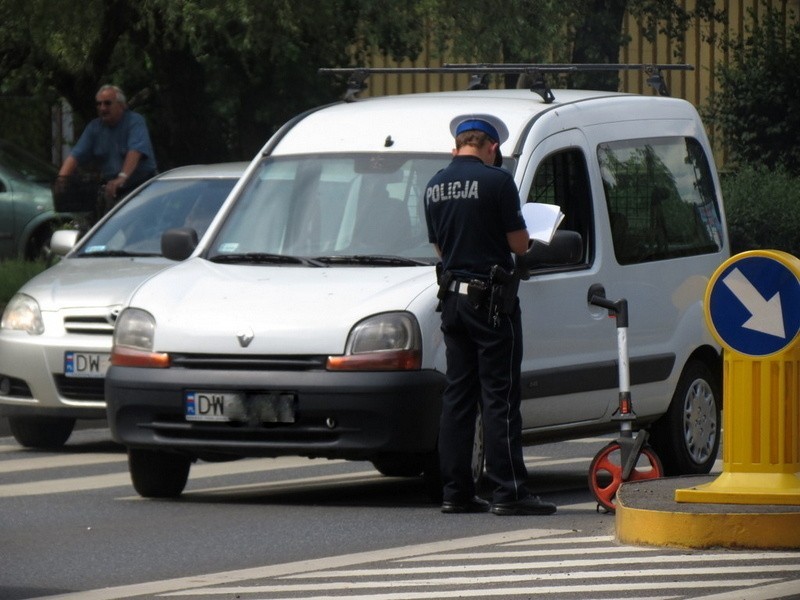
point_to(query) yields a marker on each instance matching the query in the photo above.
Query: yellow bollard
(752, 307)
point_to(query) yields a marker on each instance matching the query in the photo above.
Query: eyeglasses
(104, 102)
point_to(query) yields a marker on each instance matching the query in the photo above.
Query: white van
(305, 322)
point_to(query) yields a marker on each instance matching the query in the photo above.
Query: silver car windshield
(135, 229)
(332, 209)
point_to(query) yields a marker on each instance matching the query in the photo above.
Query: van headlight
(133, 341)
(23, 314)
(384, 342)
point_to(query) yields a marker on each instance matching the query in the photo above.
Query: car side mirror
(63, 240)
(178, 244)
(566, 248)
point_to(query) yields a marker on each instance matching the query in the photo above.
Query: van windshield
(332, 206)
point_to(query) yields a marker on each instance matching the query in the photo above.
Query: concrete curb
(647, 514)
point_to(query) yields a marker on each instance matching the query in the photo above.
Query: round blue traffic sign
(753, 302)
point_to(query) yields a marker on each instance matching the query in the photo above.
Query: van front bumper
(346, 415)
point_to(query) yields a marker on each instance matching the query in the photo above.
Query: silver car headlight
(383, 342)
(23, 314)
(134, 333)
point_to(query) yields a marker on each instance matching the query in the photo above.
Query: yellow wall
(694, 86)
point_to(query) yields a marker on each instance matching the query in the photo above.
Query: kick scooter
(628, 458)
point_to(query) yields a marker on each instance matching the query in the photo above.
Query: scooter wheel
(605, 473)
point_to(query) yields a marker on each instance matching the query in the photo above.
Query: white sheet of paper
(542, 220)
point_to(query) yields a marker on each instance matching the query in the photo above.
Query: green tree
(758, 106)
(578, 31)
(597, 27)
(216, 77)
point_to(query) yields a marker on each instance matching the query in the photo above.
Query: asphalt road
(72, 527)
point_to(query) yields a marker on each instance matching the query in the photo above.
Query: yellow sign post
(752, 307)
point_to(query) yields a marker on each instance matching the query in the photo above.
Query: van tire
(41, 432)
(158, 474)
(687, 437)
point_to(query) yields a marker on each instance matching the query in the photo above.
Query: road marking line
(580, 507)
(288, 485)
(321, 481)
(303, 566)
(71, 484)
(199, 471)
(58, 461)
(594, 539)
(525, 553)
(678, 572)
(786, 589)
(593, 440)
(535, 461)
(553, 564)
(505, 592)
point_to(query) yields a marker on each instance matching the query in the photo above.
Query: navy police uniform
(470, 207)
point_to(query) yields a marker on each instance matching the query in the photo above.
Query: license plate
(238, 407)
(86, 364)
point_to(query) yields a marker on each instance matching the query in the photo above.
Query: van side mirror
(566, 248)
(63, 240)
(178, 244)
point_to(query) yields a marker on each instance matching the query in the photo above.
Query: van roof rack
(534, 74)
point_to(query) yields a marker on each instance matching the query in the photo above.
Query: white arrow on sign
(766, 315)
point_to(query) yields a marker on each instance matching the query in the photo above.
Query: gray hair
(119, 93)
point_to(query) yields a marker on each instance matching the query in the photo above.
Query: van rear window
(661, 199)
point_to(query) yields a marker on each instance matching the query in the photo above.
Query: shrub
(14, 273)
(758, 106)
(763, 209)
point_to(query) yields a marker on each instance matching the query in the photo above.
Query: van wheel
(433, 476)
(158, 474)
(41, 432)
(687, 437)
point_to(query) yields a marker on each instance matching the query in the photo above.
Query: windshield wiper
(117, 253)
(264, 258)
(372, 259)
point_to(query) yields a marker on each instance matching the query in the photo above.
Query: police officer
(474, 221)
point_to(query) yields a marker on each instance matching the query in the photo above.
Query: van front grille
(248, 363)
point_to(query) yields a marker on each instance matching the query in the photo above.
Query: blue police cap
(489, 124)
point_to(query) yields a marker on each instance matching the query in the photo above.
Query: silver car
(55, 334)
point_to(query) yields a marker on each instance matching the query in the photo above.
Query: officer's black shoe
(532, 505)
(476, 505)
